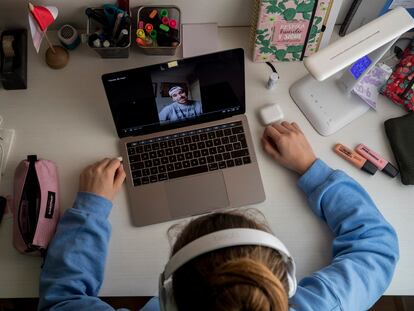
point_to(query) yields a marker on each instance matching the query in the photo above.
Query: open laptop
(185, 140)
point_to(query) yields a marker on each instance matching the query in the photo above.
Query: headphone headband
(219, 240)
(222, 239)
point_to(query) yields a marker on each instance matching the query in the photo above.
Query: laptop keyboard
(188, 153)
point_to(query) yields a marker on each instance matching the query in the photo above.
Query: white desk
(64, 116)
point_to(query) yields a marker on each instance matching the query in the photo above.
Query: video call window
(159, 97)
(179, 97)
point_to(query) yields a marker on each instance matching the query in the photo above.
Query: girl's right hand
(287, 144)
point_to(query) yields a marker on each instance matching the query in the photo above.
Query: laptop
(185, 141)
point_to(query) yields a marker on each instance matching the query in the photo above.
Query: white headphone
(218, 240)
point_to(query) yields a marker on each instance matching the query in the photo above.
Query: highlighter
(382, 164)
(357, 160)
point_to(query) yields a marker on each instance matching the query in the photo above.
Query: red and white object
(40, 18)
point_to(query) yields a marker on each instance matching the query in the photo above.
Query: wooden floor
(386, 303)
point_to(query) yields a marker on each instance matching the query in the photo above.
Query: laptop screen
(178, 93)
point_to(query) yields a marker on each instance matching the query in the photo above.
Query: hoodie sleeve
(74, 266)
(365, 249)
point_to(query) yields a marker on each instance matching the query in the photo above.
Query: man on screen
(182, 108)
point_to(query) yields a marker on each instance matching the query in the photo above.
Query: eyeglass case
(36, 205)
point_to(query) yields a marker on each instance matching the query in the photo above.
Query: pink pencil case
(36, 205)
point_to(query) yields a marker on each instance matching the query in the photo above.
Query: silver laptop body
(191, 170)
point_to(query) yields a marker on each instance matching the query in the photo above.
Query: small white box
(271, 114)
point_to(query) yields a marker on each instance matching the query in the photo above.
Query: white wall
(13, 13)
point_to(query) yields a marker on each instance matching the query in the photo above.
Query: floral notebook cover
(288, 30)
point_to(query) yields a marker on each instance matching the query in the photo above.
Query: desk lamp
(325, 96)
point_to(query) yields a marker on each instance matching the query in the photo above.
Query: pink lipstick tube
(382, 164)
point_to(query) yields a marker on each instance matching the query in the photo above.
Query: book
(289, 30)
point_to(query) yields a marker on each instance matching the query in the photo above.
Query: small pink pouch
(36, 205)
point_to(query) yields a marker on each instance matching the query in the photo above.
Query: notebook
(287, 31)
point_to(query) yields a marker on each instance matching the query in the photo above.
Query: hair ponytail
(253, 285)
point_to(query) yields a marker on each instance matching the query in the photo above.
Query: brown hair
(230, 279)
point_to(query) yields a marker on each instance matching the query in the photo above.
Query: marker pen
(165, 28)
(118, 19)
(140, 42)
(141, 34)
(164, 13)
(123, 38)
(148, 41)
(148, 27)
(153, 34)
(173, 23)
(97, 43)
(355, 159)
(153, 14)
(377, 160)
(165, 20)
(106, 44)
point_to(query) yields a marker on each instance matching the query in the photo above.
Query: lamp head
(359, 43)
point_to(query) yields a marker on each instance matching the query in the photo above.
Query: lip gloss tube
(354, 158)
(382, 164)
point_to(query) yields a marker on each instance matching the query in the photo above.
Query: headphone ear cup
(291, 277)
(165, 293)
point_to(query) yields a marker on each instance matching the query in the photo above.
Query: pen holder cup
(94, 28)
(165, 40)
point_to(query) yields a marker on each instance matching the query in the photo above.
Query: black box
(13, 70)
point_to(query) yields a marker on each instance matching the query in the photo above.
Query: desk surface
(64, 116)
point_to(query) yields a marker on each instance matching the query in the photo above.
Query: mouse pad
(197, 194)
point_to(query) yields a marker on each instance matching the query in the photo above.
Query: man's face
(180, 96)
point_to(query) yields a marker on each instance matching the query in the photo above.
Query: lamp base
(325, 105)
(57, 59)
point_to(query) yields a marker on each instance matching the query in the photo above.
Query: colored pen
(123, 5)
(97, 43)
(141, 33)
(148, 41)
(111, 11)
(118, 19)
(123, 38)
(153, 34)
(106, 44)
(354, 158)
(153, 14)
(148, 27)
(140, 42)
(97, 16)
(165, 20)
(173, 23)
(382, 164)
(164, 28)
(164, 13)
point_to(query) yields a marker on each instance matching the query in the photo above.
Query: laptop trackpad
(196, 194)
